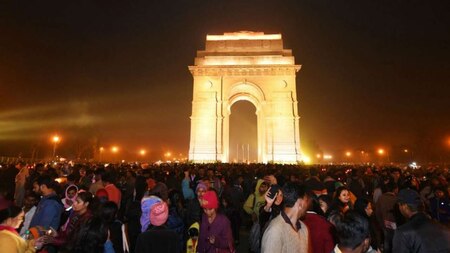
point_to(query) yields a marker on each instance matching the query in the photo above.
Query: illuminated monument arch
(250, 66)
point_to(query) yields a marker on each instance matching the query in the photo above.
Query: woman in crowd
(215, 229)
(341, 201)
(10, 241)
(364, 208)
(340, 205)
(81, 215)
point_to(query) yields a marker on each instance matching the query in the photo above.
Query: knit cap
(159, 214)
(200, 185)
(209, 200)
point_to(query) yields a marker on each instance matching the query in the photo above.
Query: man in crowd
(98, 174)
(114, 193)
(353, 233)
(419, 234)
(49, 209)
(385, 213)
(286, 233)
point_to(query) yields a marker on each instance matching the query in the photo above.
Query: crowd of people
(65, 207)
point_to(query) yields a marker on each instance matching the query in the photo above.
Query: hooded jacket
(255, 200)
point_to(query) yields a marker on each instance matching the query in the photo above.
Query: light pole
(56, 139)
(114, 150)
(382, 152)
(101, 149)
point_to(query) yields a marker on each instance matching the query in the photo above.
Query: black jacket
(158, 240)
(421, 235)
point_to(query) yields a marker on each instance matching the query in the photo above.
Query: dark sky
(374, 73)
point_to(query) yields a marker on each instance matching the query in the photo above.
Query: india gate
(250, 66)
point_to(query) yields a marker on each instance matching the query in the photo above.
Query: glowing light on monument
(244, 35)
(250, 66)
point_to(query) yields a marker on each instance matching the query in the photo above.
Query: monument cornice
(244, 70)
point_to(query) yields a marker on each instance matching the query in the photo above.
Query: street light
(114, 149)
(55, 139)
(348, 154)
(142, 152)
(381, 151)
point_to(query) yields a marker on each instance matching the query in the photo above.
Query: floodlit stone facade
(250, 66)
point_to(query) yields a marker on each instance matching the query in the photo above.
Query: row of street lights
(56, 139)
(348, 154)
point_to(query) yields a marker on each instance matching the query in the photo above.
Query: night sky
(374, 73)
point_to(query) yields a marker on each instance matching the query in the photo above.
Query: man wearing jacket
(49, 210)
(420, 233)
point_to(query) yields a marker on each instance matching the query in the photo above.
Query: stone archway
(245, 66)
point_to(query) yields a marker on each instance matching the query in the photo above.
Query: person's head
(11, 216)
(324, 202)
(353, 232)
(364, 207)
(395, 174)
(98, 173)
(102, 195)
(200, 190)
(207, 183)
(159, 214)
(210, 203)
(409, 202)
(263, 188)
(107, 178)
(71, 191)
(45, 185)
(82, 172)
(82, 202)
(342, 195)
(439, 192)
(147, 203)
(108, 212)
(30, 200)
(210, 173)
(295, 198)
(391, 186)
(36, 188)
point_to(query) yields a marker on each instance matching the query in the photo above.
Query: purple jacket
(221, 229)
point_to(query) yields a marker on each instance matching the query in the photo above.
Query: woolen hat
(147, 203)
(159, 214)
(209, 200)
(200, 185)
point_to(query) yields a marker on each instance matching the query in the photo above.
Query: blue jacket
(48, 212)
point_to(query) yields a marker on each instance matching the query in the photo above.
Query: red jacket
(320, 233)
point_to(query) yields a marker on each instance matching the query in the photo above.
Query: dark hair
(87, 197)
(108, 177)
(91, 237)
(100, 172)
(338, 192)
(9, 212)
(108, 212)
(352, 230)
(47, 181)
(292, 192)
(390, 186)
(325, 198)
(361, 205)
